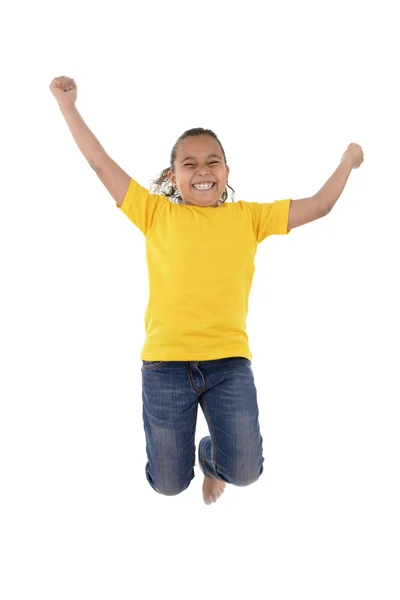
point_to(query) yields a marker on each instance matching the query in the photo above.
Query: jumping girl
(200, 256)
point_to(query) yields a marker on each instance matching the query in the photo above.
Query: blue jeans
(226, 392)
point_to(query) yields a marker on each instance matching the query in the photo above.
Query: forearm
(332, 189)
(84, 138)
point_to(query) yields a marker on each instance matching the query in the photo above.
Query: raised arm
(110, 174)
(309, 209)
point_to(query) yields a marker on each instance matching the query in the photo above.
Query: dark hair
(164, 186)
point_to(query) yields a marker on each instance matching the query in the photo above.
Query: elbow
(323, 207)
(92, 165)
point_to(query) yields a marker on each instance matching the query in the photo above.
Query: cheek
(186, 181)
(221, 174)
(183, 178)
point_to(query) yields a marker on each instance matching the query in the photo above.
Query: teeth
(203, 186)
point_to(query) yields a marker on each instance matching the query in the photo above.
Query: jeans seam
(213, 438)
(191, 380)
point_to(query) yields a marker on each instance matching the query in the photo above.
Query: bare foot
(212, 489)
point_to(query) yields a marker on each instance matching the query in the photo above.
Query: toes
(216, 495)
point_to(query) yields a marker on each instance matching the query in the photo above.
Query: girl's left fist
(353, 155)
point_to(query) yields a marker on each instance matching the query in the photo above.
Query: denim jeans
(226, 392)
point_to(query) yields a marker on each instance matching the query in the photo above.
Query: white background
(286, 87)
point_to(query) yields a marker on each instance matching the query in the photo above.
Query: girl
(200, 255)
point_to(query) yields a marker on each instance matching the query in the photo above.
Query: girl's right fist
(64, 90)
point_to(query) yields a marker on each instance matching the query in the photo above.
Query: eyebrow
(194, 158)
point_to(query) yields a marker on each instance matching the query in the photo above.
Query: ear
(172, 177)
(227, 172)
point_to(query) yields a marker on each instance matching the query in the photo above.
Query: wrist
(66, 109)
(348, 162)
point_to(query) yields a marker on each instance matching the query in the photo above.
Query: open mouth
(205, 189)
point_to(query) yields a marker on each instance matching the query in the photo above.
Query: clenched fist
(353, 155)
(65, 91)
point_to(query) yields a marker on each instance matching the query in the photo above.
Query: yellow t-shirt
(200, 268)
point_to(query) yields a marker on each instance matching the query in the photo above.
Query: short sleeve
(270, 218)
(140, 206)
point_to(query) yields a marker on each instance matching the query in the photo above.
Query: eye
(214, 162)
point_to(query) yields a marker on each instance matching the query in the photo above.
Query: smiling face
(199, 160)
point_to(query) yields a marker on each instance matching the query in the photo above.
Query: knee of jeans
(167, 487)
(243, 478)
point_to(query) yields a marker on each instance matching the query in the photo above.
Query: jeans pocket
(152, 364)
